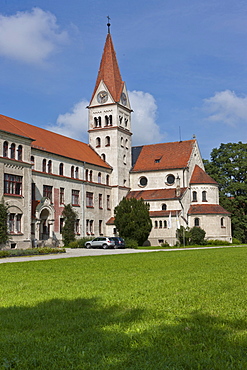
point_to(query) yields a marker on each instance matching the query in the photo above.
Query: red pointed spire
(109, 71)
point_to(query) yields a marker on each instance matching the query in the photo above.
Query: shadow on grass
(84, 334)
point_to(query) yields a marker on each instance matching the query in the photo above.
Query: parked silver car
(100, 242)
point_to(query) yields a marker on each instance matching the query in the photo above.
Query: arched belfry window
(98, 142)
(99, 177)
(44, 165)
(107, 141)
(72, 171)
(204, 196)
(5, 149)
(86, 175)
(164, 207)
(49, 166)
(12, 151)
(77, 172)
(194, 196)
(19, 153)
(61, 169)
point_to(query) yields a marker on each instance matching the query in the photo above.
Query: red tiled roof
(52, 142)
(109, 71)
(164, 156)
(111, 221)
(201, 177)
(156, 194)
(199, 209)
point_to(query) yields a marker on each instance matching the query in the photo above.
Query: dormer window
(157, 160)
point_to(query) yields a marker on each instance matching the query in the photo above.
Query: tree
(228, 166)
(132, 219)
(193, 236)
(4, 237)
(68, 230)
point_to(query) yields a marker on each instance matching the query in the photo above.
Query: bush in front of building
(30, 252)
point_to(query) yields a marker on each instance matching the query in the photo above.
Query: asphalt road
(96, 252)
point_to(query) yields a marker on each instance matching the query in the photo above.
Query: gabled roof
(51, 142)
(156, 194)
(199, 209)
(164, 156)
(201, 177)
(109, 71)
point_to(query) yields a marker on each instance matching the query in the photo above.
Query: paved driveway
(96, 252)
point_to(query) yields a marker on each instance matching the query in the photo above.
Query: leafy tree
(197, 235)
(4, 237)
(132, 219)
(228, 166)
(68, 230)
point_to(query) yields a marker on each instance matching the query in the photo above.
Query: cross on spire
(108, 24)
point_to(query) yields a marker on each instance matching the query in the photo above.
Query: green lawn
(160, 310)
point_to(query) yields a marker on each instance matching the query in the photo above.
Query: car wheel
(88, 246)
(104, 246)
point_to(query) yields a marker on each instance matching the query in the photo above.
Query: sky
(184, 64)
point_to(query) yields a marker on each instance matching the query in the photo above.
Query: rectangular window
(75, 197)
(89, 199)
(18, 223)
(108, 205)
(12, 184)
(100, 201)
(47, 192)
(100, 227)
(61, 225)
(61, 196)
(77, 227)
(12, 223)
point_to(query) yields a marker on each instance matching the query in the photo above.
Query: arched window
(103, 156)
(110, 120)
(122, 142)
(107, 141)
(204, 196)
(19, 153)
(5, 149)
(12, 151)
(160, 223)
(126, 144)
(107, 179)
(124, 159)
(164, 207)
(95, 122)
(77, 172)
(222, 222)
(44, 165)
(91, 176)
(197, 222)
(61, 169)
(194, 196)
(99, 177)
(106, 120)
(126, 122)
(165, 224)
(86, 175)
(32, 161)
(49, 166)
(99, 121)
(156, 224)
(72, 171)
(98, 142)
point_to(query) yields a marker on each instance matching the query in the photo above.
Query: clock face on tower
(123, 99)
(102, 97)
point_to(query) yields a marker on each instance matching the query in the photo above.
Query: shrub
(73, 244)
(131, 243)
(4, 254)
(82, 241)
(235, 241)
(217, 242)
(197, 236)
(165, 245)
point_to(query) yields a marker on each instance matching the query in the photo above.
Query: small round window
(143, 181)
(170, 179)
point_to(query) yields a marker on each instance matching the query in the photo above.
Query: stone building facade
(41, 171)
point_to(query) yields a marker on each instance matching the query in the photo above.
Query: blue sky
(184, 64)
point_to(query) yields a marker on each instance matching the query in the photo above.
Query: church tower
(110, 121)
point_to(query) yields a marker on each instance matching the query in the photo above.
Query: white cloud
(144, 127)
(227, 107)
(73, 124)
(30, 37)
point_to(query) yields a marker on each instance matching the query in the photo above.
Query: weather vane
(108, 24)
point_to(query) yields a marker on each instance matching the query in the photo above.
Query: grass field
(176, 310)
